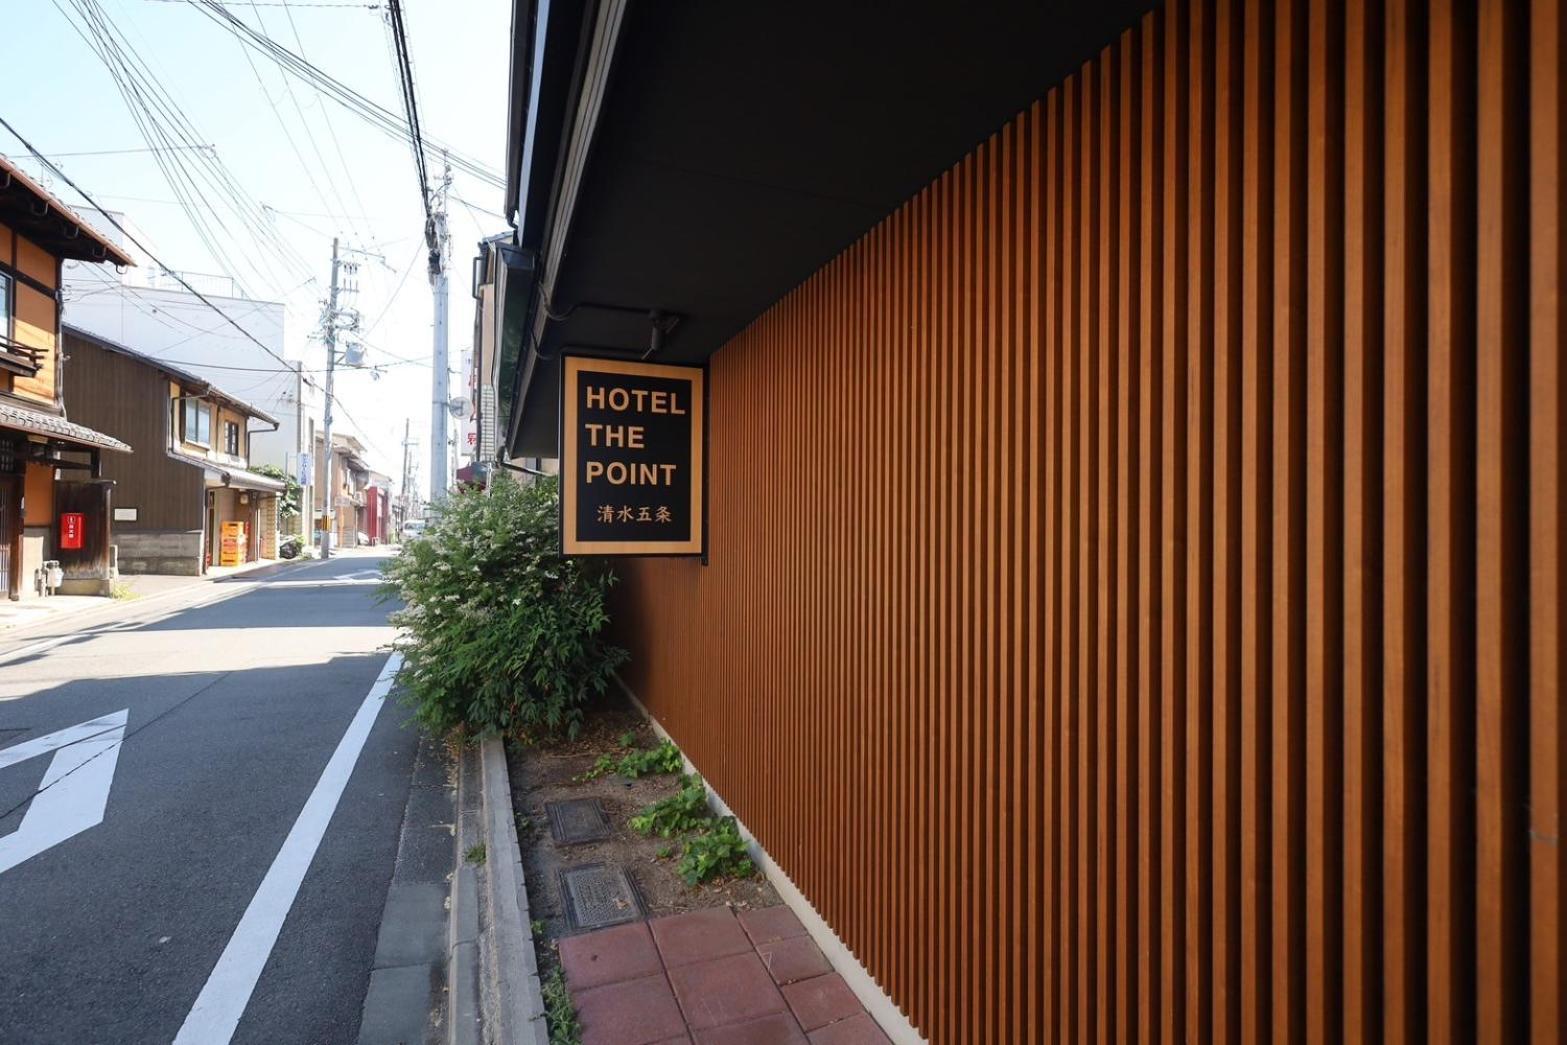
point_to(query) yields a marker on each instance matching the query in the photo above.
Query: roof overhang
(683, 166)
(32, 210)
(219, 474)
(56, 429)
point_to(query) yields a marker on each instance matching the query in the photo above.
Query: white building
(147, 309)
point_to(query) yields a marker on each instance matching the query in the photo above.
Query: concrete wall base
(176, 552)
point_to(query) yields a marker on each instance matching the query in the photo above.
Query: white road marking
(222, 1001)
(74, 791)
(37, 647)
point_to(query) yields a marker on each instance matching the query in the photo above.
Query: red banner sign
(72, 525)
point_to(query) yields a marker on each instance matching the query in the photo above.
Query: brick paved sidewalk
(709, 978)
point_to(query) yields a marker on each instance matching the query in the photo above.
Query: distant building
(190, 499)
(149, 309)
(350, 477)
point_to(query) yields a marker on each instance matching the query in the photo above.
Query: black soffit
(742, 146)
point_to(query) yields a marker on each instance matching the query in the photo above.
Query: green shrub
(685, 810)
(717, 852)
(662, 759)
(500, 633)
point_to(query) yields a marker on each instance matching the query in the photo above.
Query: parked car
(413, 529)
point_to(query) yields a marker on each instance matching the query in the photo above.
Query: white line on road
(74, 791)
(222, 1001)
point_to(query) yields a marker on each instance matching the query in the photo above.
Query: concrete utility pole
(326, 428)
(439, 242)
(402, 495)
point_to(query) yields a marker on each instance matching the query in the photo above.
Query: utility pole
(436, 237)
(335, 319)
(403, 494)
(326, 428)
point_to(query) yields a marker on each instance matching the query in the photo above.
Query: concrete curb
(511, 996)
(464, 1023)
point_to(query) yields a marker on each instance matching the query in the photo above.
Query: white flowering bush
(500, 633)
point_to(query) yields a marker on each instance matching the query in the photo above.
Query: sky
(318, 169)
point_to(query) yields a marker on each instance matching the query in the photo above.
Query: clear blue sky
(59, 94)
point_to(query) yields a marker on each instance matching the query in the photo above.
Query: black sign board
(632, 458)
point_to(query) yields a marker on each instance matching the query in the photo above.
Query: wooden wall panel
(1135, 600)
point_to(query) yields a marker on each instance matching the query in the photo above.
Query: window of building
(197, 422)
(231, 438)
(5, 306)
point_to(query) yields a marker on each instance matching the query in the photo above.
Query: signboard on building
(633, 460)
(72, 525)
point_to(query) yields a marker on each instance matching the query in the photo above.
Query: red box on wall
(72, 524)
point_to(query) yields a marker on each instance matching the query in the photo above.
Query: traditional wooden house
(190, 499)
(52, 507)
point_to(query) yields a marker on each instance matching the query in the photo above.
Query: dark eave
(32, 210)
(739, 147)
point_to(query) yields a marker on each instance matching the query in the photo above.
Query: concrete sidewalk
(27, 612)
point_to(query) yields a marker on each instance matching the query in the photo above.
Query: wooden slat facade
(1135, 609)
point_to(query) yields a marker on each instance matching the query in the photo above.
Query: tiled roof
(37, 422)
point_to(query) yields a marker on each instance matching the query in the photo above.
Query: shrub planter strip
(876, 1001)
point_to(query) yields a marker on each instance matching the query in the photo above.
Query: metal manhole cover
(598, 895)
(577, 820)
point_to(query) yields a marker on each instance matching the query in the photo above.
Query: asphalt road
(255, 786)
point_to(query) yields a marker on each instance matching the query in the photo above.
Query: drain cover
(577, 820)
(597, 895)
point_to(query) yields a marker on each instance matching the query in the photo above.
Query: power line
(328, 86)
(123, 152)
(405, 76)
(139, 244)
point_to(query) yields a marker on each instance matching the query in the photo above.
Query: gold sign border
(572, 368)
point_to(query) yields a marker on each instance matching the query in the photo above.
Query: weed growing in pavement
(685, 810)
(559, 1013)
(665, 758)
(475, 854)
(718, 852)
(121, 590)
(710, 847)
(500, 633)
(536, 927)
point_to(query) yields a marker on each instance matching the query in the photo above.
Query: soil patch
(554, 772)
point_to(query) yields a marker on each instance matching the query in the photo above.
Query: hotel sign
(632, 458)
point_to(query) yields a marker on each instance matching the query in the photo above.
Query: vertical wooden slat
(1324, 494)
(1173, 535)
(1404, 499)
(1103, 693)
(1502, 530)
(1150, 974)
(1225, 452)
(1128, 435)
(1198, 539)
(1451, 547)
(1547, 510)
(1362, 514)
(1257, 329)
